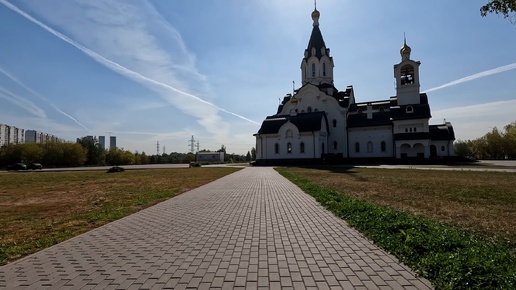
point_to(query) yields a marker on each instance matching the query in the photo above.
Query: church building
(320, 123)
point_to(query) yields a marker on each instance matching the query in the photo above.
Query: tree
(253, 153)
(503, 7)
(96, 155)
(248, 156)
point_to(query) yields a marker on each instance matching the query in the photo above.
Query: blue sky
(148, 71)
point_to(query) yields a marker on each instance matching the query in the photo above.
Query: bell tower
(317, 64)
(406, 74)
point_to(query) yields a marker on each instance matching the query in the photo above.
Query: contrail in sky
(41, 97)
(475, 76)
(115, 66)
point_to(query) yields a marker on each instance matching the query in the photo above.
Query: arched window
(289, 148)
(324, 69)
(309, 109)
(302, 147)
(369, 147)
(313, 69)
(316, 110)
(276, 148)
(407, 75)
(415, 129)
(357, 147)
(383, 146)
(334, 123)
(359, 111)
(335, 145)
(382, 109)
(409, 109)
(289, 133)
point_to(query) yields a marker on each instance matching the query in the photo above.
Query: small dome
(316, 14)
(405, 49)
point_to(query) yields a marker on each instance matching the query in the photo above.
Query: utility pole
(197, 145)
(191, 144)
(157, 148)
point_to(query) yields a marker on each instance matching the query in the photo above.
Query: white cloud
(475, 76)
(22, 103)
(4, 72)
(130, 48)
(474, 121)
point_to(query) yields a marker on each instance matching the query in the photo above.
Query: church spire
(317, 64)
(316, 14)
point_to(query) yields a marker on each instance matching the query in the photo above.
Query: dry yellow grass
(38, 209)
(481, 201)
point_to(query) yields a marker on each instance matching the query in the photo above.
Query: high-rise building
(102, 142)
(112, 142)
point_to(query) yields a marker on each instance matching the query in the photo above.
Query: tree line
(88, 151)
(497, 144)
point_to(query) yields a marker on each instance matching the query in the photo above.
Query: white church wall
(443, 148)
(413, 148)
(370, 142)
(411, 126)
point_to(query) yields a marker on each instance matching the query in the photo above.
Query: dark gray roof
(317, 41)
(360, 120)
(442, 132)
(419, 111)
(305, 122)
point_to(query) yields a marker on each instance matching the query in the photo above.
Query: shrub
(115, 169)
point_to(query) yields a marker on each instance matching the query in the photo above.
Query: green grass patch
(451, 258)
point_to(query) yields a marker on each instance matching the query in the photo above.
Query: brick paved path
(252, 229)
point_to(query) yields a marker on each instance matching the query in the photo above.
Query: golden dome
(316, 14)
(405, 49)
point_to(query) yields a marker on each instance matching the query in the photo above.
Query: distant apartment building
(11, 135)
(33, 136)
(102, 142)
(112, 142)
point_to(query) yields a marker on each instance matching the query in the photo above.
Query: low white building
(209, 157)
(319, 122)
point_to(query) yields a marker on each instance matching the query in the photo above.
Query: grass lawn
(40, 209)
(484, 202)
(456, 228)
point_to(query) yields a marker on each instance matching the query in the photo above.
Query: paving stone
(252, 229)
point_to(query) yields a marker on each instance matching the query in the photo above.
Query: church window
(309, 109)
(410, 130)
(313, 69)
(302, 147)
(406, 130)
(335, 145)
(383, 146)
(357, 147)
(289, 134)
(409, 109)
(382, 109)
(407, 75)
(369, 147)
(276, 148)
(334, 123)
(289, 148)
(415, 129)
(442, 148)
(316, 110)
(324, 69)
(359, 111)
